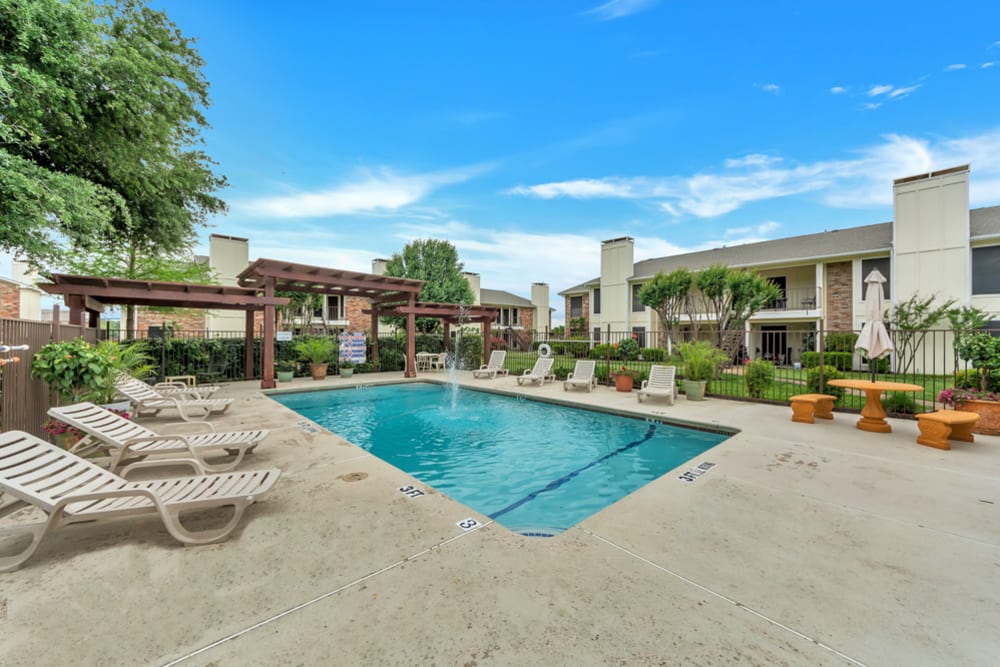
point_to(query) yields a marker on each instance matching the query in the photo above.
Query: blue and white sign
(352, 346)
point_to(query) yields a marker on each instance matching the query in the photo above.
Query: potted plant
(317, 352)
(625, 378)
(285, 370)
(982, 350)
(346, 368)
(701, 363)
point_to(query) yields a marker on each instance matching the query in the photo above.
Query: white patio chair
(582, 375)
(661, 384)
(73, 490)
(540, 373)
(494, 367)
(124, 439)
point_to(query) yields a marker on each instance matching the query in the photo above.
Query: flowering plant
(949, 397)
(634, 374)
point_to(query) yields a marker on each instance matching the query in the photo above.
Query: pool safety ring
(544, 351)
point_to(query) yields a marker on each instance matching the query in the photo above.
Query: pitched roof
(582, 287)
(984, 221)
(501, 298)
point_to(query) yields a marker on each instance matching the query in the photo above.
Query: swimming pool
(534, 467)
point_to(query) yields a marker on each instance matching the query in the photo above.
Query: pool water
(534, 467)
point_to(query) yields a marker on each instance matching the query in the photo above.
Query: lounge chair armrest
(569, 376)
(170, 385)
(644, 384)
(204, 425)
(199, 469)
(102, 495)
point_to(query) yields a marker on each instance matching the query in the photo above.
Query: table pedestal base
(874, 425)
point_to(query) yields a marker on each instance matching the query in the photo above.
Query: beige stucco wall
(227, 257)
(616, 297)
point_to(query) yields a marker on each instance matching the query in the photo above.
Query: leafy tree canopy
(100, 129)
(435, 262)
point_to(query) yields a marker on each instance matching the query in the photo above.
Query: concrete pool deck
(806, 544)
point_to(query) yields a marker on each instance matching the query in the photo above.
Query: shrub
(654, 354)
(424, 342)
(702, 360)
(574, 349)
(899, 403)
(810, 359)
(602, 351)
(829, 373)
(470, 351)
(79, 371)
(972, 379)
(840, 342)
(842, 361)
(759, 376)
(562, 370)
(628, 348)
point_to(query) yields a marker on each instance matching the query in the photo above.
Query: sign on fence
(282, 336)
(352, 346)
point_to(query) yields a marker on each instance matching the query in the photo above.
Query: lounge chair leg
(38, 532)
(172, 522)
(228, 465)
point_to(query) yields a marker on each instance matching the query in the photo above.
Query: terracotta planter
(318, 371)
(989, 415)
(623, 382)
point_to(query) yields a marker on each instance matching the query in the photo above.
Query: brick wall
(839, 296)
(527, 318)
(183, 319)
(356, 320)
(586, 311)
(10, 301)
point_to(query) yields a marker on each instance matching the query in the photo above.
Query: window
(637, 306)
(597, 335)
(509, 317)
(576, 306)
(867, 266)
(334, 307)
(597, 301)
(640, 335)
(986, 270)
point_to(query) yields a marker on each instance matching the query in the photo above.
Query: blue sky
(527, 132)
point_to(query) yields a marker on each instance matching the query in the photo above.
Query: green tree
(964, 321)
(435, 262)
(910, 321)
(100, 130)
(731, 297)
(668, 296)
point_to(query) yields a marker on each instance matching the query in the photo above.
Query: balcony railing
(801, 298)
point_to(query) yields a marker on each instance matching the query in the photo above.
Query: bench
(936, 428)
(807, 406)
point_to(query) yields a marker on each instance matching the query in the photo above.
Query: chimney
(227, 257)
(930, 236)
(473, 279)
(540, 300)
(378, 266)
(23, 273)
(617, 265)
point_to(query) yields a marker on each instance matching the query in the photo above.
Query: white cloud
(879, 90)
(988, 65)
(872, 105)
(902, 92)
(858, 182)
(956, 66)
(375, 191)
(616, 9)
(838, 90)
(769, 87)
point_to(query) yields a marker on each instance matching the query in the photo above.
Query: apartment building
(934, 245)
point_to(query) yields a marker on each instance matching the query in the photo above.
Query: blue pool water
(534, 467)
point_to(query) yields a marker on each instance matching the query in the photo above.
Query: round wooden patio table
(873, 415)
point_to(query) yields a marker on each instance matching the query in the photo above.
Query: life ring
(544, 351)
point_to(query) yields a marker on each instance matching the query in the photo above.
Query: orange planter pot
(623, 382)
(989, 415)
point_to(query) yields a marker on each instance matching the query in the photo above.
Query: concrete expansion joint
(721, 596)
(320, 598)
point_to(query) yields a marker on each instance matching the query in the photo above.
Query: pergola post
(76, 310)
(485, 324)
(374, 333)
(248, 352)
(447, 333)
(411, 338)
(267, 345)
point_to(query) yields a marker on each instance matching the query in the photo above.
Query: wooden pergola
(384, 292)
(86, 297)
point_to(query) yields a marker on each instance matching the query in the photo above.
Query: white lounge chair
(167, 388)
(145, 399)
(660, 384)
(582, 375)
(73, 490)
(540, 373)
(124, 439)
(494, 367)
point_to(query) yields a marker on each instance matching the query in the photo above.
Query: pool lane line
(320, 598)
(556, 483)
(726, 598)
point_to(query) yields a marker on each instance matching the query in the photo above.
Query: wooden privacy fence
(24, 401)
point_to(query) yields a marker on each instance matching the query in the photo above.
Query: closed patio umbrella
(874, 339)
